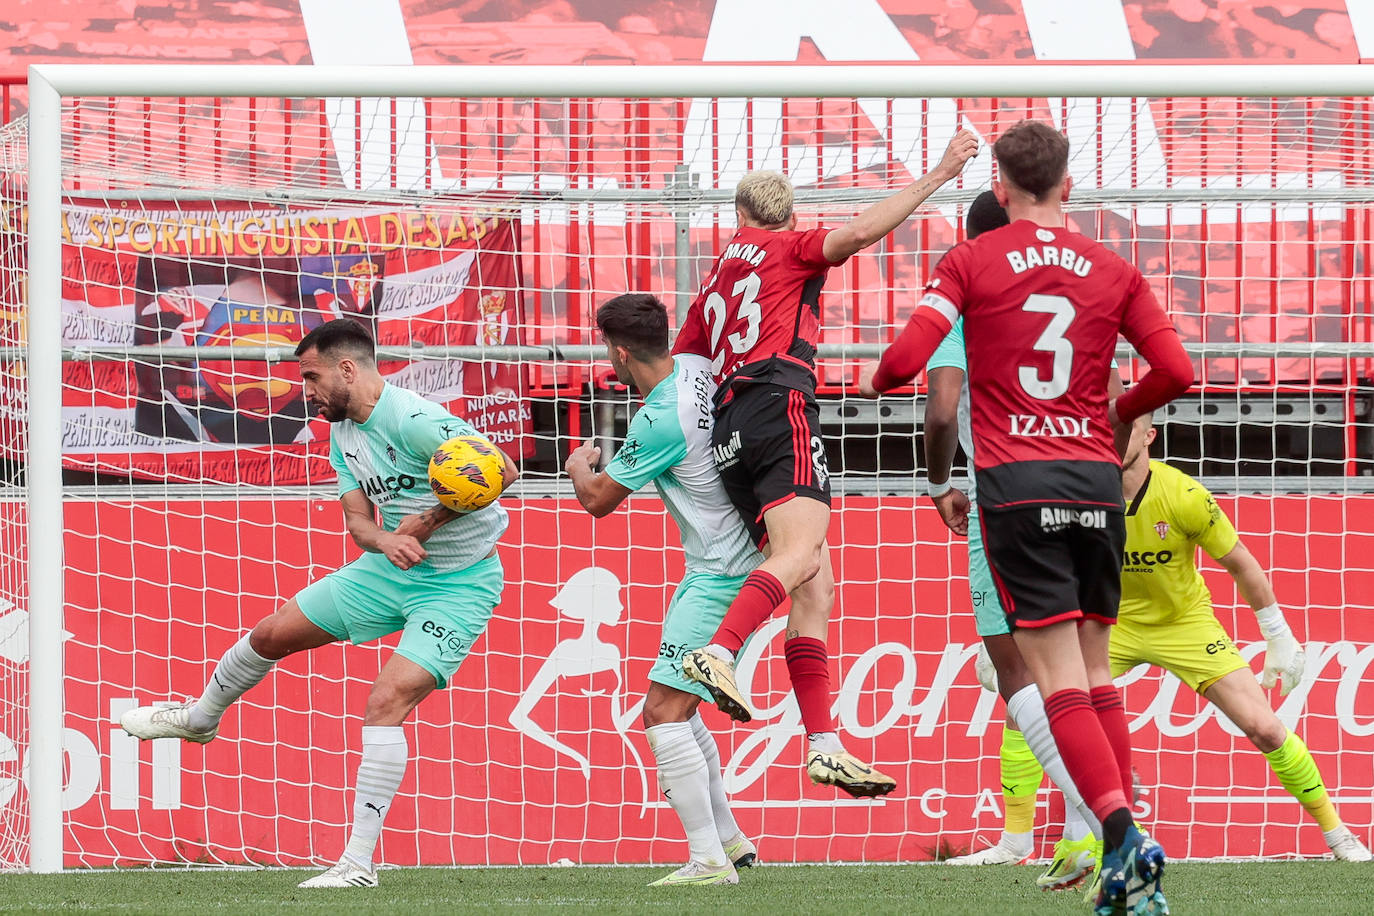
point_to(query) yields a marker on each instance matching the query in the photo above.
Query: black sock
(1114, 828)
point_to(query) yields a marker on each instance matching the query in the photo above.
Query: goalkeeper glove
(1284, 659)
(984, 670)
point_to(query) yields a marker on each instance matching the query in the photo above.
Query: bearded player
(1042, 308)
(757, 320)
(427, 572)
(668, 443)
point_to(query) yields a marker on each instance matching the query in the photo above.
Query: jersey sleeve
(809, 248)
(692, 337)
(653, 444)
(1203, 521)
(950, 353)
(928, 325)
(1143, 314)
(347, 482)
(1151, 332)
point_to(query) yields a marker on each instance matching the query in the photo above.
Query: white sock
(239, 669)
(1027, 709)
(720, 652)
(825, 742)
(1075, 828)
(726, 828)
(682, 775)
(385, 755)
(1020, 843)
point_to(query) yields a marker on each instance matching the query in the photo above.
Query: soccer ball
(465, 473)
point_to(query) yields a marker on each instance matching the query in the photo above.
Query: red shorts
(768, 448)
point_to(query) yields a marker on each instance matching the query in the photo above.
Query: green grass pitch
(1192, 888)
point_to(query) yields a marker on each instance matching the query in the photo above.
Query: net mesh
(201, 237)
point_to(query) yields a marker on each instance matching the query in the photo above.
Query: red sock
(758, 598)
(808, 664)
(1086, 751)
(1112, 715)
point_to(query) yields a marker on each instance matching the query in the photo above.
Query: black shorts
(768, 448)
(1053, 563)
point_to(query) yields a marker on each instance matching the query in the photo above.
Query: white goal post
(49, 85)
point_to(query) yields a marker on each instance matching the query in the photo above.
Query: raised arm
(887, 214)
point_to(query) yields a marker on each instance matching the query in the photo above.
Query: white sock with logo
(682, 775)
(1027, 710)
(239, 669)
(726, 828)
(385, 755)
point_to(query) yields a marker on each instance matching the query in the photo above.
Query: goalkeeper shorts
(988, 616)
(698, 606)
(439, 614)
(1194, 647)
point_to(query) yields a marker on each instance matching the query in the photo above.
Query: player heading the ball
(1042, 308)
(757, 319)
(428, 572)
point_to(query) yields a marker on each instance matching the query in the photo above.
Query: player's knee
(386, 705)
(807, 564)
(654, 712)
(663, 705)
(1267, 734)
(269, 640)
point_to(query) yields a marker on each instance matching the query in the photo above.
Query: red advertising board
(230, 276)
(535, 754)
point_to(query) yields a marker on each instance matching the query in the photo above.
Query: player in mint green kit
(1026, 748)
(429, 573)
(669, 444)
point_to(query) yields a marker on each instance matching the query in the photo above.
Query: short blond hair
(765, 197)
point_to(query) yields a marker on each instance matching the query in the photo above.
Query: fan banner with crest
(232, 277)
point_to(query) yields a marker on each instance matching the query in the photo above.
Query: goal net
(172, 489)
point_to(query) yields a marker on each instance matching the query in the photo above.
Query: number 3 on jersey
(746, 292)
(1053, 341)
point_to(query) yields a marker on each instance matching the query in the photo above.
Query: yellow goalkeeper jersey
(1168, 520)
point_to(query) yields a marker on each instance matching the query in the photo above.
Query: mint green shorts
(440, 614)
(988, 617)
(698, 606)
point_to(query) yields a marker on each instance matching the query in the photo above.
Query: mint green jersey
(669, 443)
(387, 457)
